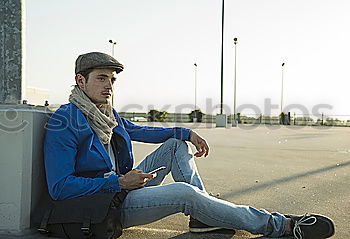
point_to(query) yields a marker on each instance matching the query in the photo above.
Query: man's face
(99, 86)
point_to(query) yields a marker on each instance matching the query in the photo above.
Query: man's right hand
(134, 179)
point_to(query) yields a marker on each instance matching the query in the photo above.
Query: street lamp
(234, 120)
(282, 88)
(222, 57)
(195, 93)
(221, 119)
(113, 44)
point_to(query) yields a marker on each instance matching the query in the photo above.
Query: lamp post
(222, 57)
(113, 44)
(234, 120)
(282, 116)
(282, 87)
(221, 119)
(195, 92)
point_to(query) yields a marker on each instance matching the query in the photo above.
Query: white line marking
(155, 230)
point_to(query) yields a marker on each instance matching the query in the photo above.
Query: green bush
(157, 115)
(198, 113)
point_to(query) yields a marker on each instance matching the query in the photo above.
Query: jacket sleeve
(60, 150)
(149, 134)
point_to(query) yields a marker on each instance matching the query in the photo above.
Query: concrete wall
(21, 165)
(12, 50)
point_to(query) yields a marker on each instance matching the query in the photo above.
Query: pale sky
(158, 41)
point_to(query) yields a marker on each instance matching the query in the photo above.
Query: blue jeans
(188, 195)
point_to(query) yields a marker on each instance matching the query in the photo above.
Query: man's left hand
(200, 144)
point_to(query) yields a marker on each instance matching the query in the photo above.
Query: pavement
(292, 170)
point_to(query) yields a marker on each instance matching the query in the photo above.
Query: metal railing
(294, 119)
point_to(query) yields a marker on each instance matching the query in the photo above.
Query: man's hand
(134, 179)
(200, 144)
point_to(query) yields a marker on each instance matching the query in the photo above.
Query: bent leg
(178, 159)
(148, 204)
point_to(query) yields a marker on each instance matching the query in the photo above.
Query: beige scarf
(100, 117)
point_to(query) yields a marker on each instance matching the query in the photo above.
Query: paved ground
(289, 169)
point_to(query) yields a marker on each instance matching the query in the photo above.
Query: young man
(81, 158)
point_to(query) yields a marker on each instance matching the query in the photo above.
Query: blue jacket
(75, 158)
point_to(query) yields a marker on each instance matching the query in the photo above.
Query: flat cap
(97, 60)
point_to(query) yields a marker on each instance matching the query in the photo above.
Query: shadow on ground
(285, 179)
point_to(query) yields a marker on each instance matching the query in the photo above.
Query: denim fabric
(188, 195)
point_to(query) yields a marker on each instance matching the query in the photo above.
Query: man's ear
(80, 80)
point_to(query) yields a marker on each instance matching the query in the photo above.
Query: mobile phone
(157, 170)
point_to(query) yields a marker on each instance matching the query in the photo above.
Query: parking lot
(287, 169)
(292, 170)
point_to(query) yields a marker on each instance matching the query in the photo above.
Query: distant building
(35, 96)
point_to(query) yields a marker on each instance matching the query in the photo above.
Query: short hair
(86, 73)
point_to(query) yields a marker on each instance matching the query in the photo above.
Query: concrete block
(221, 120)
(21, 165)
